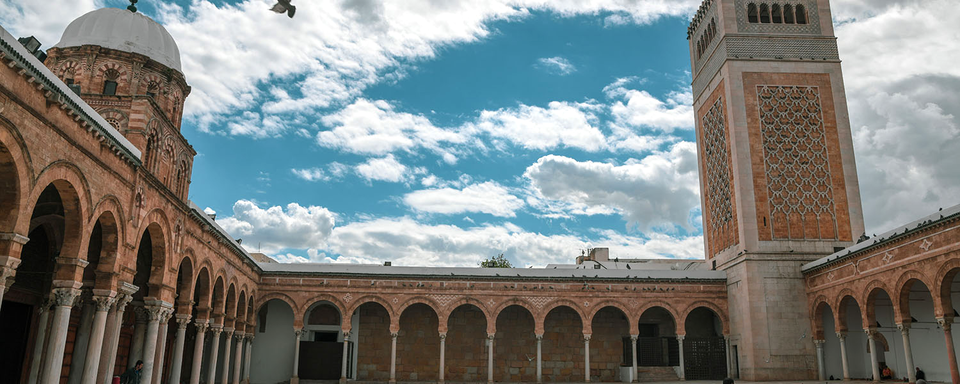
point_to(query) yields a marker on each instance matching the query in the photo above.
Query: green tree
(496, 262)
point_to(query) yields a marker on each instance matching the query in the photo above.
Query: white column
(82, 338)
(176, 363)
(154, 314)
(161, 352)
(214, 350)
(139, 334)
(727, 349)
(683, 373)
(821, 370)
(343, 362)
(586, 358)
(197, 363)
(907, 353)
(225, 375)
(246, 363)
(490, 357)
(111, 340)
(633, 344)
(296, 356)
(539, 358)
(843, 354)
(91, 365)
(874, 364)
(237, 355)
(43, 327)
(393, 357)
(63, 299)
(443, 350)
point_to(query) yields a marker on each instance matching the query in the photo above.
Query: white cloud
(383, 169)
(561, 124)
(209, 211)
(290, 258)
(488, 197)
(659, 189)
(643, 110)
(556, 65)
(310, 174)
(276, 228)
(43, 19)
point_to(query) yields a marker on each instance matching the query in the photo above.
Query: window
(752, 13)
(152, 88)
(764, 13)
(801, 14)
(788, 14)
(109, 87)
(777, 16)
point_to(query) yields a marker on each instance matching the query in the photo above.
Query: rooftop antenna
(132, 7)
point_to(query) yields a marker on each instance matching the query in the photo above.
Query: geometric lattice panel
(721, 225)
(799, 184)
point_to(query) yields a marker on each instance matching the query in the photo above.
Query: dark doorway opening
(15, 320)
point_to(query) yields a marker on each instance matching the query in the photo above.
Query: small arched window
(764, 13)
(776, 15)
(110, 81)
(801, 14)
(788, 14)
(152, 89)
(752, 13)
(713, 29)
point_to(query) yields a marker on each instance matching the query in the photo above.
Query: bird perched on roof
(284, 6)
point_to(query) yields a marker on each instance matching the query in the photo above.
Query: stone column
(63, 299)
(176, 363)
(393, 357)
(946, 325)
(490, 357)
(727, 351)
(161, 353)
(214, 350)
(539, 358)
(195, 366)
(296, 356)
(225, 375)
(821, 370)
(633, 352)
(343, 363)
(443, 351)
(108, 356)
(874, 364)
(246, 363)
(683, 373)
(81, 339)
(102, 303)
(843, 354)
(238, 355)
(907, 353)
(139, 334)
(586, 358)
(43, 325)
(155, 313)
(8, 265)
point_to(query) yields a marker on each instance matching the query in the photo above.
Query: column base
(392, 381)
(295, 380)
(343, 380)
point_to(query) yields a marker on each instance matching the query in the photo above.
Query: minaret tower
(777, 174)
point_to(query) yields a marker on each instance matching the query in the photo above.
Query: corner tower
(777, 174)
(127, 67)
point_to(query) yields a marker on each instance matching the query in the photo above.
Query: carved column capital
(680, 337)
(490, 336)
(121, 303)
(298, 332)
(871, 332)
(103, 303)
(944, 324)
(250, 337)
(202, 326)
(394, 335)
(842, 335)
(586, 337)
(239, 336)
(634, 337)
(64, 297)
(443, 335)
(216, 329)
(183, 321)
(904, 328)
(539, 336)
(818, 343)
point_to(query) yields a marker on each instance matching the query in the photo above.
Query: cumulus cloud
(660, 189)
(383, 169)
(488, 197)
(556, 65)
(42, 19)
(275, 228)
(310, 174)
(641, 110)
(561, 124)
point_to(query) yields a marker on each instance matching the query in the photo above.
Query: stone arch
(230, 305)
(117, 118)
(74, 195)
(943, 281)
(262, 300)
(202, 291)
(15, 169)
(467, 300)
(540, 316)
(659, 303)
(154, 228)
(218, 299)
(105, 263)
(301, 312)
(495, 313)
(632, 318)
(185, 282)
(419, 300)
(352, 307)
(719, 312)
(241, 319)
(841, 308)
(869, 298)
(902, 301)
(816, 321)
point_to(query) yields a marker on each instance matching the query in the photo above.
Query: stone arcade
(104, 261)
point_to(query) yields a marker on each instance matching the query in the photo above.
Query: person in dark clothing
(132, 375)
(728, 381)
(921, 375)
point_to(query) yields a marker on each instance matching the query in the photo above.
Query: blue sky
(434, 133)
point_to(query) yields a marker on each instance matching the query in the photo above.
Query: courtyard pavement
(644, 382)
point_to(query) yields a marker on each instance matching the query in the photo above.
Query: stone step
(653, 374)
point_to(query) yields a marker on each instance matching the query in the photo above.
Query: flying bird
(284, 6)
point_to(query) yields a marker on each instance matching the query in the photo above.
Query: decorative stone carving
(538, 301)
(102, 303)
(64, 297)
(812, 27)
(799, 183)
(719, 178)
(183, 321)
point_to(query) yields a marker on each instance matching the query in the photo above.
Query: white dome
(123, 30)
